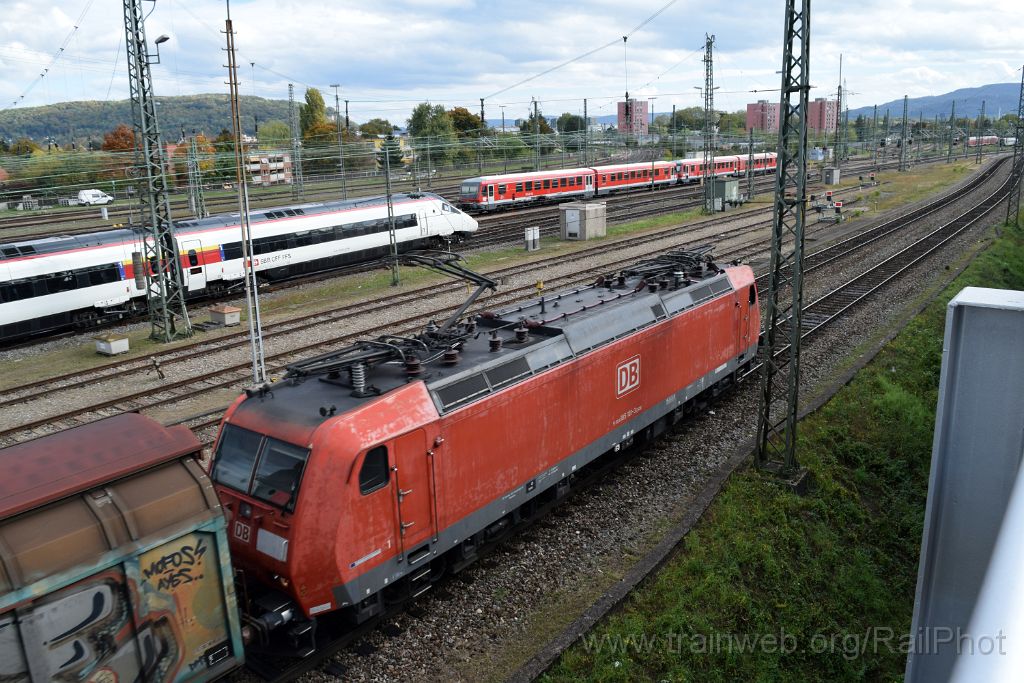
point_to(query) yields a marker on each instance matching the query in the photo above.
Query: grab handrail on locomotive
(365, 474)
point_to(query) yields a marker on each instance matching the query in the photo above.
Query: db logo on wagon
(627, 376)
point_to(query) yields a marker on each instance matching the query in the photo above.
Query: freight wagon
(114, 562)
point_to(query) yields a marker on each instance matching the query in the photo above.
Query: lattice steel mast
(981, 132)
(1013, 203)
(259, 371)
(196, 200)
(165, 293)
(952, 126)
(708, 175)
(750, 164)
(780, 371)
(903, 137)
(293, 124)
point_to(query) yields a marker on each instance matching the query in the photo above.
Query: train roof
(632, 164)
(537, 335)
(309, 209)
(527, 175)
(52, 467)
(57, 243)
(60, 243)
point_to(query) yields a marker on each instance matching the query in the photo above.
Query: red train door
(414, 490)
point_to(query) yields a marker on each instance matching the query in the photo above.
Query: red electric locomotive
(366, 473)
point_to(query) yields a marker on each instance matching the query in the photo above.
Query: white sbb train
(58, 282)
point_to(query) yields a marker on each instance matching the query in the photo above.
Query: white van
(94, 198)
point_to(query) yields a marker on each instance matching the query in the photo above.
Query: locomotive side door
(414, 490)
(744, 334)
(192, 266)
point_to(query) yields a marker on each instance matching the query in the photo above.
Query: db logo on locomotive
(627, 376)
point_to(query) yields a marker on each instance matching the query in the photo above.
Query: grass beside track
(828, 577)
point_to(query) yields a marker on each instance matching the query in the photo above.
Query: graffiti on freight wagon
(163, 626)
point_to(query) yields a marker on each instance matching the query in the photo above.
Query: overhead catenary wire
(56, 56)
(586, 54)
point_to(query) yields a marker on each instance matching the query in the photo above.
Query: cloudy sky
(390, 55)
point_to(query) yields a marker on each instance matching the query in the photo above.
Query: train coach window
(61, 282)
(547, 184)
(232, 251)
(563, 182)
(519, 187)
(193, 258)
(501, 189)
(374, 472)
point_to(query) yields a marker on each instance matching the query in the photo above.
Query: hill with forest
(84, 122)
(999, 98)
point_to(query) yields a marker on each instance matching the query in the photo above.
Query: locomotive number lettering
(627, 376)
(242, 532)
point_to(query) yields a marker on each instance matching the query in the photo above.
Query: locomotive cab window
(259, 466)
(193, 258)
(374, 472)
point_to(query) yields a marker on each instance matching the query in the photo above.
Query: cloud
(388, 56)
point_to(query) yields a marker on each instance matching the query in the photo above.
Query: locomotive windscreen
(469, 189)
(259, 466)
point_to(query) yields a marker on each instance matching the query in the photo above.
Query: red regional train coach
(367, 473)
(513, 189)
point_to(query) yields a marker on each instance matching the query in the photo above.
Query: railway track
(855, 291)
(85, 220)
(825, 310)
(237, 373)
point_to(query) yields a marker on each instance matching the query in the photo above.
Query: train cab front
(470, 198)
(258, 477)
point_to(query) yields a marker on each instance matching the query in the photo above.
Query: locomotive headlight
(244, 509)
